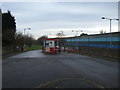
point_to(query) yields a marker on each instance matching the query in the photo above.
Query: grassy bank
(33, 47)
(9, 52)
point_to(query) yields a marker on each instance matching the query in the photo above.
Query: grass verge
(33, 47)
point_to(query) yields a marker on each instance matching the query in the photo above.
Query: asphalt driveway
(33, 68)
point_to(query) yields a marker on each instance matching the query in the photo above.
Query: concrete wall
(7, 50)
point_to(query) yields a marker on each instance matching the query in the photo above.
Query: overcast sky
(45, 18)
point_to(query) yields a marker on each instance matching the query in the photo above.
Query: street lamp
(24, 35)
(110, 27)
(77, 31)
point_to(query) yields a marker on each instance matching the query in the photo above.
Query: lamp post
(77, 31)
(24, 35)
(110, 27)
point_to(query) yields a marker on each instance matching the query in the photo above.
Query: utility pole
(24, 36)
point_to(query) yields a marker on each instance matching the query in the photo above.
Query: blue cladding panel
(94, 45)
(96, 39)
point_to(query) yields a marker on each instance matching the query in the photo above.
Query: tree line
(10, 36)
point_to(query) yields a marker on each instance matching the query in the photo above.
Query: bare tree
(60, 34)
(19, 40)
(102, 32)
(40, 39)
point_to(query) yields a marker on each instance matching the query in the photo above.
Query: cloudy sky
(49, 18)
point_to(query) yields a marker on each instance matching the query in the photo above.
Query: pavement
(33, 69)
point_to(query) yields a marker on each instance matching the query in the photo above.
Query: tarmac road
(30, 69)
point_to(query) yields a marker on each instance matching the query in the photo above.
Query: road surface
(30, 69)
